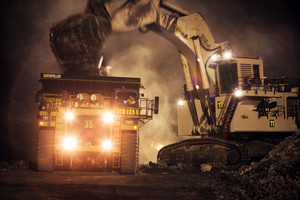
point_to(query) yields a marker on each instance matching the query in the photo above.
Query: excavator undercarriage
(218, 152)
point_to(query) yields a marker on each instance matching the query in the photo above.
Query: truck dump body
(90, 122)
(73, 83)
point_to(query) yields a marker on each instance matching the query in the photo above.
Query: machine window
(128, 98)
(256, 72)
(292, 107)
(228, 77)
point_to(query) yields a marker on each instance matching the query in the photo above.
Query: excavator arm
(77, 42)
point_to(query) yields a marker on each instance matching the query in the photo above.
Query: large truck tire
(129, 152)
(45, 150)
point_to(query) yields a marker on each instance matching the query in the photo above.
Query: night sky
(266, 28)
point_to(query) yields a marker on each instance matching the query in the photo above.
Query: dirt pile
(155, 169)
(274, 177)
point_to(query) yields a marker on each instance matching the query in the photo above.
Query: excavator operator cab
(237, 74)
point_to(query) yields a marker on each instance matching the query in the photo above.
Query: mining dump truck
(91, 122)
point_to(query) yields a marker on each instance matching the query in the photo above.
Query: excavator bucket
(77, 43)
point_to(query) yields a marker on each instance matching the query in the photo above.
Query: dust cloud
(159, 68)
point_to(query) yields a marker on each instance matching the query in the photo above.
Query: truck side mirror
(156, 105)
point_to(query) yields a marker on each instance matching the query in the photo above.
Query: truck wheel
(45, 150)
(129, 152)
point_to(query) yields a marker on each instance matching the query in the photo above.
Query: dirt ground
(276, 176)
(31, 185)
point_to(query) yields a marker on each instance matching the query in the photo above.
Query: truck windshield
(228, 77)
(127, 98)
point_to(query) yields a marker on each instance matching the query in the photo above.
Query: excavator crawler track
(220, 153)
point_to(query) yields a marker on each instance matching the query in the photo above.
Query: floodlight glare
(180, 102)
(238, 93)
(227, 55)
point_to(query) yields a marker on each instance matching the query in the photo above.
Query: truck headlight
(106, 145)
(108, 117)
(70, 143)
(69, 116)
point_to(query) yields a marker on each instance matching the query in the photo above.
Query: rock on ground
(274, 177)
(14, 165)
